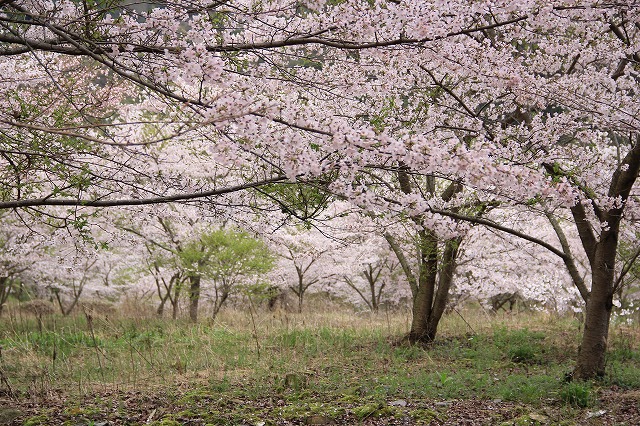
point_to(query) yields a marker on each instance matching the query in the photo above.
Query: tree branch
(568, 260)
(48, 201)
(413, 283)
(494, 225)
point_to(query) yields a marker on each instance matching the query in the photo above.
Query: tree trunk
(445, 279)
(602, 259)
(420, 316)
(217, 305)
(160, 309)
(371, 278)
(5, 290)
(593, 348)
(300, 300)
(422, 302)
(300, 291)
(194, 297)
(175, 302)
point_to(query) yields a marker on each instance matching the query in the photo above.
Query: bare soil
(118, 407)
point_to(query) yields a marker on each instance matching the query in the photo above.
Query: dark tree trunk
(601, 253)
(593, 348)
(5, 290)
(175, 302)
(300, 290)
(445, 279)
(422, 302)
(160, 309)
(194, 297)
(218, 303)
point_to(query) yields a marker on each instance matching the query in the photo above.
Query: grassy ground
(321, 367)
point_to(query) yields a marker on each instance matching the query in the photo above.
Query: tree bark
(422, 301)
(591, 357)
(218, 304)
(194, 297)
(160, 308)
(5, 290)
(175, 302)
(445, 279)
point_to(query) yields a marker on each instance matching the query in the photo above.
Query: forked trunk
(160, 309)
(219, 301)
(423, 299)
(445, 279)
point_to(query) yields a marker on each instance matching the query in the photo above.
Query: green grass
(332, 365)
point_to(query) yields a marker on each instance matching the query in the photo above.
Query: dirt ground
(109, 408)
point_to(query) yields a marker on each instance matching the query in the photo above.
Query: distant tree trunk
(194, 297)
(221, 295)
(163, 301)
(161, 284)
(77, 292)
(175, 300)
(218, 305)
(372, 274)
(5, 290)
(174, 283)
(300, 288)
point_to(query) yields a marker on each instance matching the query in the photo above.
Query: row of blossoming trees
(437, 116)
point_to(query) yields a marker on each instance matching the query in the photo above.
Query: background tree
(305, 259)
(376, 273)
(228, 258)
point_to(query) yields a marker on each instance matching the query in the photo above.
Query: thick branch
(48, 201)
(626, 269)
(494, 225)
(413, 283)
(585, 232)
(300, 40)
(568, 260)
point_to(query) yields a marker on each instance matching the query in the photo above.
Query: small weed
(444, 378)
(41, 419)
(373, 410)
(523, 354)
(577, 394)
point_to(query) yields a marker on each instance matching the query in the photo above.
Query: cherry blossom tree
(370, 272)
(305, 260)
(20, 248)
